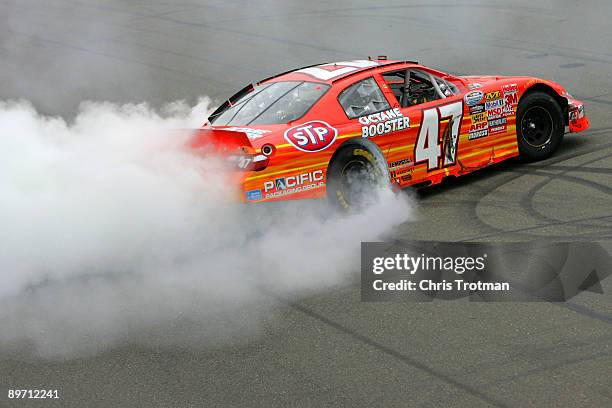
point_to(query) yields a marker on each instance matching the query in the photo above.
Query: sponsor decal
(478, 134)
(498, 126)
(478, 126)
(398, 173)
(251, 133)
(478, 130)
(576, 112)
(479, 117)
(383, 122)
(406, 177)
(293, 184)
(474, 85)
(511, 88)
(508, 110)
(493, 95)
(473, 98)
(400, 164)
(497, 129)
(495, 113)
(497, 122)
(312, 136)
(495, 103)
(511, 98)
(477, 108)
(381, 116)
(253, 195)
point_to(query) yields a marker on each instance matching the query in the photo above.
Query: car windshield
(270, 104)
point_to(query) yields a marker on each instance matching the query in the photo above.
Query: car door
(428, 150)
(370, 114)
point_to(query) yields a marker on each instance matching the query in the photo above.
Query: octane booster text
(384, 122)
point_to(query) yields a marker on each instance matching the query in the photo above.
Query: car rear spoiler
(220, 141)
(234, 146)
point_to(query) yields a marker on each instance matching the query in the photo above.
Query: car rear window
(271, 104)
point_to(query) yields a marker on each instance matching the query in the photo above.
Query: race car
(335, 129)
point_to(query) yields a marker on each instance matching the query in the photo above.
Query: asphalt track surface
(333, 350)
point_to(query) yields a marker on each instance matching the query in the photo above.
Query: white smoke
(112, 232)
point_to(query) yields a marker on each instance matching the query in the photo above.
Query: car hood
(492, 78)
(481, 81)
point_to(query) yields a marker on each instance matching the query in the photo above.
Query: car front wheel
(539, 126)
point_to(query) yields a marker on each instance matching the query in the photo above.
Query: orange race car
(334, 129)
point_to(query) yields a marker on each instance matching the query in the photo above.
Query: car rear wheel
(539, 126)
(354, 176)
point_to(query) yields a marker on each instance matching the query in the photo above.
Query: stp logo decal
(312, 136)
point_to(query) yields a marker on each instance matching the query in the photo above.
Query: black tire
(353, 176)
(539, 126)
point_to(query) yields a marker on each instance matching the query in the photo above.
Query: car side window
(363, 98)
(421, 89)
(425, 87)
(396, 81)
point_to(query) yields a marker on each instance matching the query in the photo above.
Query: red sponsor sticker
(479, 126)
(511, 98)
(312, 136)
(497, 129)
(510, 88)
(495, 113)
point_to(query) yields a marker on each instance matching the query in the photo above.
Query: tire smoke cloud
(111, 233)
